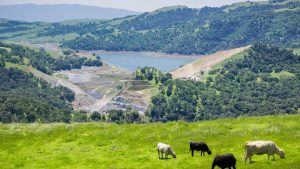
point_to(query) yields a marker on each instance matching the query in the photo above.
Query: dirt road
(205, 63)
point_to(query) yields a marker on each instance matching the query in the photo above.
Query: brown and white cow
(262, 147)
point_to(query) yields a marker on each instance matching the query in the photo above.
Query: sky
(133, 5)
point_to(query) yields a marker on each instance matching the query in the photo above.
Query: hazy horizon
(132, 5)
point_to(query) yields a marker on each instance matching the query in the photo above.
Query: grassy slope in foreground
(102, 145)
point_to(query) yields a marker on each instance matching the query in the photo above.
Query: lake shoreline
(56, 48)
(153, 54)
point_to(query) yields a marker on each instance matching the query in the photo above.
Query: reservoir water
(133, 61)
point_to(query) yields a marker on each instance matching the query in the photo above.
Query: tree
(96, 116)
(80, 116)
(133, 116)
(2, 62)
(67, 52)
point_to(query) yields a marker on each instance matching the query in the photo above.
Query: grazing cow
(262, 147)
(165, 149)
(199, 146)
(224, 161)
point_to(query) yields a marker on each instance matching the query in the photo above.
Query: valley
(108, 87)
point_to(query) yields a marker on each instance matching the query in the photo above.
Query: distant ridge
(60, 12)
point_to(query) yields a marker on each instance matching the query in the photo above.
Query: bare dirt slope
(81, 97)
(205, 63)
(99, 85)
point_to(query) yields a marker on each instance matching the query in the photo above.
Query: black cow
(199, 146)
(224, 161)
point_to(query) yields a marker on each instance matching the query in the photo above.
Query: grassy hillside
(103, 145)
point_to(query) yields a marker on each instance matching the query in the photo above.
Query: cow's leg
(158, 153)
(192, 152)
(250, 159)
(201, 153)
(234, 167)
(245, 158)
(162, 155)
(166, 155)
(213, 165)
(268, 157)
(273, 157)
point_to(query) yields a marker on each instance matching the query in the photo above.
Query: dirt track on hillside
(205, 63)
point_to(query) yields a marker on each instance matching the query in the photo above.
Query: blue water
(133, 61)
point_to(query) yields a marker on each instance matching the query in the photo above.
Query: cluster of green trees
(2, 61)
(25, 98)
(12, 26)
(151, 73)
(192, 31)
(63, 29)
(113, 116)
(121, 116)
(265, 81)
(42, 61)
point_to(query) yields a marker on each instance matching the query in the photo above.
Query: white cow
(165, 149)
(262, 147)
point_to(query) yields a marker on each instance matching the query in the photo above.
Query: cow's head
(209, 152)
(281, 154)
(173, 153)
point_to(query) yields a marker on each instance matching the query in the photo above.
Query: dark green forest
(266, 81)
(42, 61)
(25, 98)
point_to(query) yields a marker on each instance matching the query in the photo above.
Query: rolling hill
(60, 12)
(172, 30)
(197, 31)
(133, 146)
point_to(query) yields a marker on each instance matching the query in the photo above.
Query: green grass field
(112, 146)
(24, 68)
